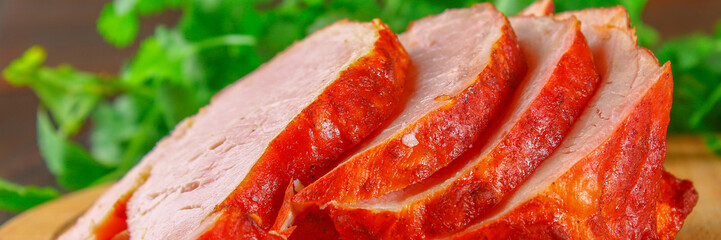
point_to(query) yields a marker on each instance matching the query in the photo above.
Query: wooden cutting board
(686, 158)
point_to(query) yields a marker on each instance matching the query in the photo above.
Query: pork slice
(538, 9)
(107, 216)
(676, 199)
(290, 119)
(606, 178)
(555, 215)
(561, 79)
(467, 64)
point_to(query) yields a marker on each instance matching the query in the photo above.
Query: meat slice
(467, 65)
(676, 199)
(538, 9)
(106, 217)
(606, 180)
(230, 164)
(561, 79)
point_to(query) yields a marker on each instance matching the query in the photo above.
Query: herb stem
(226, 40)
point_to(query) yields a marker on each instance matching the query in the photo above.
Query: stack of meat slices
(469, 125)
(467, 62)
(560, 81)
(222, 173)
(606, 179)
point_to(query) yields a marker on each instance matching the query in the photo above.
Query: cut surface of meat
(467, 64)
(290, 119)
(560, 81)
(606, 180)
(538, 9)
(318, 99)
(106, 218)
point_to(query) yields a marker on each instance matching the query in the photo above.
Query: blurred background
(108, 124)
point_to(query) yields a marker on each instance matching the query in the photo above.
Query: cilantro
(16, 198)
(68, 94)
(71, 164)
(511, 7)
(696, 66)
(118, 27)
(713, 142)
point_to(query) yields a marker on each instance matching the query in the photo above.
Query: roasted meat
(540, 126)
(230, 164)
(606, 180)
(468, 64)
(560, 81)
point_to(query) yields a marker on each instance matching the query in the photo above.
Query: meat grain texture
(467, 65)
(606, 181)
(560, 81)
(222, 173)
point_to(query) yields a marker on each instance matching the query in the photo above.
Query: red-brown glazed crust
(612, 193)
(443, 135)
(283, 214)
(357, 103)
(469, 198)
(676, 199)
(114, 223)
(314, 223)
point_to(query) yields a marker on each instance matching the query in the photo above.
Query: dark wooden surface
(66, 29)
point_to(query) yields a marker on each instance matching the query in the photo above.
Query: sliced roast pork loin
(606, 179)
(561, 79)
(467, 65)
(222, 173)
(538, 9)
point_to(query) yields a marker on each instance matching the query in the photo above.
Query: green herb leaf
(512, 7)
(16, 198)
(176, 102)
(713, 142)
(70, 95)
(124, 131)
(23, 71)
(119, 27)
(697, 83)
(113, 125)
(73, 167)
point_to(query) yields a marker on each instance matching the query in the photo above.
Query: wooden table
(687, 158)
